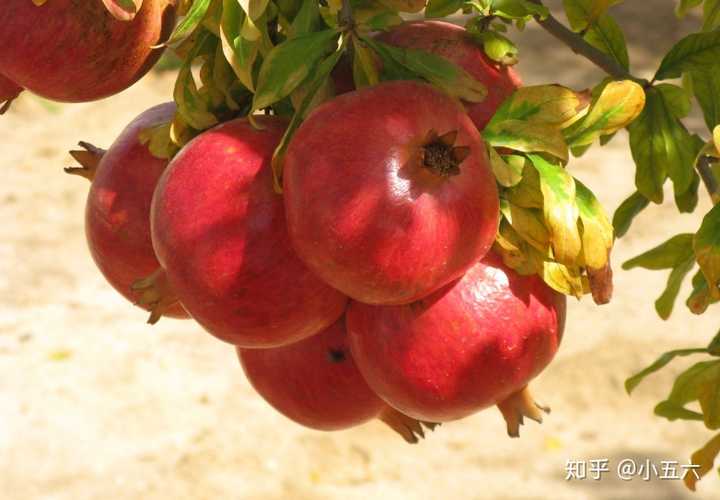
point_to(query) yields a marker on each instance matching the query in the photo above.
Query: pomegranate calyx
(155, 293)
(411, 430)
(441, 156)
(6, 101)
(518, 405)
(89, 158)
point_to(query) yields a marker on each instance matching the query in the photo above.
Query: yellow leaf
(507, 174)
(595, 228)
(716, 139)
(548, 104)
(527, 193)
(560, 210)
(529, 224)
(706, 245)
(617, 106)
(566, 280)
(528, 137)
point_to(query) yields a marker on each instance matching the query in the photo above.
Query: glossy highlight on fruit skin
(365, 212)
(9, 90)
(219, 231)
(117, 212)
(75, 51)
(455, 44)
(462, 349)
(314, 381)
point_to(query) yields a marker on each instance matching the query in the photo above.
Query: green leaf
(667, 255)
(707, 250)
(607, 35)
(188, 23)
(698, 383)
(706, 87)
(676, 98)
(705, 458)
(618, 105)
(517, 9)
(665, 303)
(289, 64)
(583, 13)
(559, 209)
(498, 47)
(632, 382)
(442, 8)
(714, 345)
(688, 201)
(191, 104)
(711, 15)
(435, 69)
(694, 52)
(239, 52)
(661, 146)
(627, 211)
(686, 5)
(319, 78)
(307, 19)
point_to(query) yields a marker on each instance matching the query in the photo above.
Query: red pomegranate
(454, 43)
(70, 50)
(315, 383)
(389, 192)
(473, 344)
(117, 212)
(219, 231)
(8, 92)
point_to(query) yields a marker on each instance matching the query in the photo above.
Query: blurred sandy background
(96, 404)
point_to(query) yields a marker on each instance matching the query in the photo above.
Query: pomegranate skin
(117, 212)
(75, 51)
(219, 231)
(462, 349)
(366, 215)
(455, 44)
(314, 382)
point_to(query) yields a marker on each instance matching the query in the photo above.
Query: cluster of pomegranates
(368, 288)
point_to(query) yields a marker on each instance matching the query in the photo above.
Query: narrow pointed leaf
(627, 211)
(632, 382)
(707, 250)
(617, 106)
(290, 64)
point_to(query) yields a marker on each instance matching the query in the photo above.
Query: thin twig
(345, 16)
(704, 168)
(578, 45)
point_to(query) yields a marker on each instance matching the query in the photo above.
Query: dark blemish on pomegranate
(336, 355)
